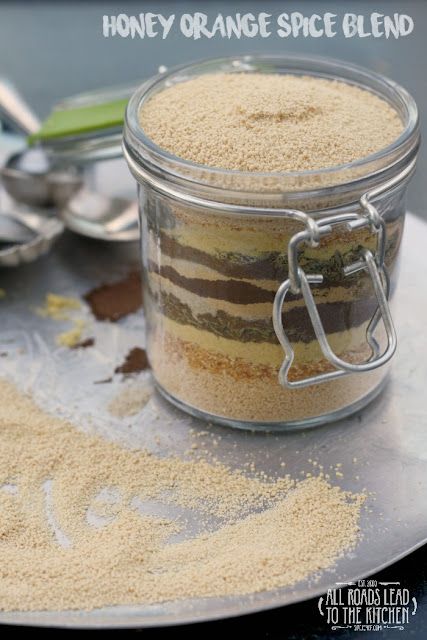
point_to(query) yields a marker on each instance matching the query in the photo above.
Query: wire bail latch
(300, 282)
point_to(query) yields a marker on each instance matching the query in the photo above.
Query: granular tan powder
(73, 532)
(269, 122)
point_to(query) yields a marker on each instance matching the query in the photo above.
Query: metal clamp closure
(299, 282)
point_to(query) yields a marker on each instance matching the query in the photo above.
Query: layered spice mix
(212, 277)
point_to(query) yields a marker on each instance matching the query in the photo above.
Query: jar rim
(189, 174)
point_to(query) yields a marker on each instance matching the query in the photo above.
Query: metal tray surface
(388, 438)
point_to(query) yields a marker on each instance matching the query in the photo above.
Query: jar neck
(278, 208)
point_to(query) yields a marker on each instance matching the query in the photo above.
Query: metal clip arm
(300, 282)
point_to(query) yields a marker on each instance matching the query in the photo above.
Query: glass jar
(266, 294)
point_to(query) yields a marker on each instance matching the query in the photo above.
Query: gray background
(54, 49)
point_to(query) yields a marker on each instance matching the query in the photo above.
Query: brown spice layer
(236, 291)
(241, 292)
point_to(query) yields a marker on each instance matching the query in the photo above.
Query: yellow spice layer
(269, 122)
(220, 235)
(258, 353)
(200, 305)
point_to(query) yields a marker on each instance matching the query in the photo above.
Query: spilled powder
(269, 122)
(131, 400)
(72, 337)
(116, 300)
(84, 344)
(58, 307)
(61, 308)
(83, 521)
(135, 361)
